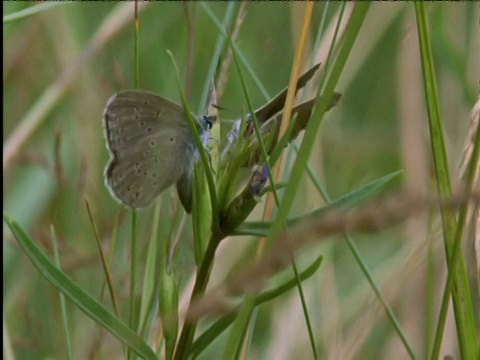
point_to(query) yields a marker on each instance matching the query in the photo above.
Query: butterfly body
(151, 147)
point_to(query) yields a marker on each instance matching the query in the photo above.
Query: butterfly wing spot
(152, 143)
(159, 114)
(172, 139)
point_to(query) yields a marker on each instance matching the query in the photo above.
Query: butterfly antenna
(218, 107)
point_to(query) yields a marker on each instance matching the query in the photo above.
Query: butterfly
(151, 145)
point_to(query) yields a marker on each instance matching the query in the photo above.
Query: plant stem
(203, 275)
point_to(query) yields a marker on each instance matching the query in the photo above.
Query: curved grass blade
(246, 63)
(84, 301)
(32, 10)
(205, 339)
(350, 200)
(63, 306)
(201, 148)
(220, 44)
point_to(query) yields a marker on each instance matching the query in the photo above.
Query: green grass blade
(133, 244)
(368, 274)
(245, 62)
(150, 285)
(460, 291)
(133, 272)
(63, 306)
(92, 308)
(216, 53)
(358, 14)
(256, 125)
(352, 29)
(105, 267)
(201, 149)
(366, 271)
(282, 289)
(32, 10)
(350, 200)
(168, 288)
(238, 333)
(207, 337)
(388, 309)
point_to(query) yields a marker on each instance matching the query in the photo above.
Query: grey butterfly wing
(150, 145)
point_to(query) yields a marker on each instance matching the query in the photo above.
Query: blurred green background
(60, 67)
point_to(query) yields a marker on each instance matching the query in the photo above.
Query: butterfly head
(208, 121)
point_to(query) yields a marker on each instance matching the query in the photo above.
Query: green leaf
(77, 295)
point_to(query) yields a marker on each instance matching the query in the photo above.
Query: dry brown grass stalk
(469, 144)
(370, 218)
(472, 241)
(223, 77)
(56, 91)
